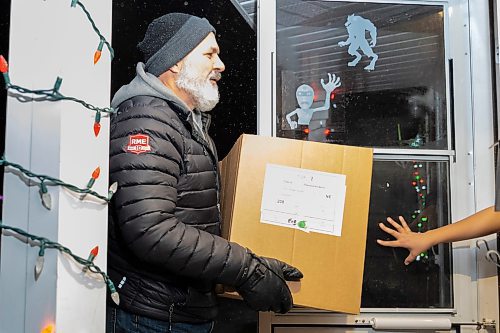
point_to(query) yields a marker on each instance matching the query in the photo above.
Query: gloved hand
(264, 286)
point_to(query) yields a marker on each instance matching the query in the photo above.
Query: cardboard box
(332, 265)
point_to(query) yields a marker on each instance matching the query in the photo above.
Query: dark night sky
(236, 113)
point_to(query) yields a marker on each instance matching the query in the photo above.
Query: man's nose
(219, 65)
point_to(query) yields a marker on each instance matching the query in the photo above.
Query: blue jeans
(119, 321)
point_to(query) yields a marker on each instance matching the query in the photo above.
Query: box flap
(229, 170)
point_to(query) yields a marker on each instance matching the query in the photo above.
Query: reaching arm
(333, 83)
(344, 43)
(479, 224)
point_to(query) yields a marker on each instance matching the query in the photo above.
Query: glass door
(375, 74)
(365, 74)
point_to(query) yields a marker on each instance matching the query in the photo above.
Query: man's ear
(176, 68)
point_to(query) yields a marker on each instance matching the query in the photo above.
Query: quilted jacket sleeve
(145, 202)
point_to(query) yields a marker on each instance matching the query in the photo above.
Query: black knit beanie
(170, 38)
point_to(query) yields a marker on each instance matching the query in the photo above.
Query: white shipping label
(308, 200)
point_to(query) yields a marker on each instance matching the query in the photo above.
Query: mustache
(215, 76)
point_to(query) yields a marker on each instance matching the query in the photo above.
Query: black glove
(264, 284)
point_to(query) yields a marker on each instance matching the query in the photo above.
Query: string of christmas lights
(420, 187)
(102, 39)
(45, 181)
(54, 95)
(44, 244)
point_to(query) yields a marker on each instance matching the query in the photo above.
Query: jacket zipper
(207, 150)
(170, 314)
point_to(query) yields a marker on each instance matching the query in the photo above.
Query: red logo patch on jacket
(138, 144)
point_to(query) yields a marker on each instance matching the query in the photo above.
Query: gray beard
(204, 94)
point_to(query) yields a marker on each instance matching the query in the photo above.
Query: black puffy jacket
(165, 253)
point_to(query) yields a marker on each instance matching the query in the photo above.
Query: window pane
(387, 63)
(418, 191)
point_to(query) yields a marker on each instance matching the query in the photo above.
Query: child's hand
(415, 242)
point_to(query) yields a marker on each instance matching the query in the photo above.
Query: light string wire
(45, 243)
(51, 181)
(94, 26)
(54, 95)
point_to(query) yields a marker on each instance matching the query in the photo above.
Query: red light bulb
(92, 255)
(97, 56)
(97, 129)
(96, 173)
(94, 251)
(4, 66)
(98, 52)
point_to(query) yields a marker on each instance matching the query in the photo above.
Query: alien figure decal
(305, 98)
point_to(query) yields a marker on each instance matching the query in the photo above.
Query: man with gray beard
(165, 251)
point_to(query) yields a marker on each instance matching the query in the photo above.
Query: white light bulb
(39, 266)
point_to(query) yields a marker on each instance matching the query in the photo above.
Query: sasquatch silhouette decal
(356, 28)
